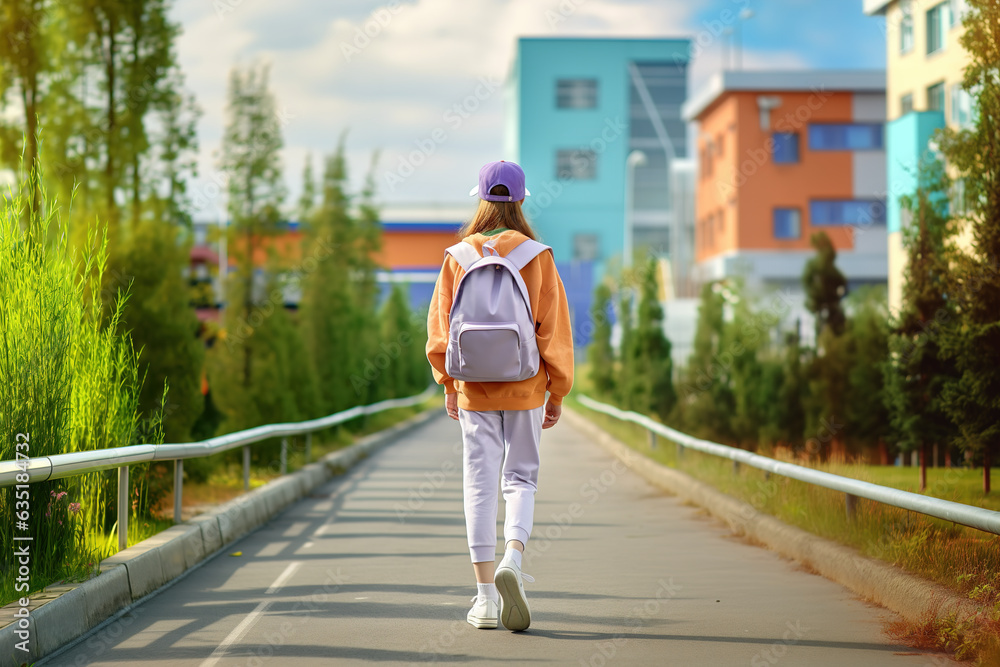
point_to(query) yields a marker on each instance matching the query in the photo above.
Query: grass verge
(963, 559)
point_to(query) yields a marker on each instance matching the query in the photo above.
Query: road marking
(307, 545)
(237, 634)
(322, 529)
(283, 577)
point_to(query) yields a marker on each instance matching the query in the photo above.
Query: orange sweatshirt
(552, 332)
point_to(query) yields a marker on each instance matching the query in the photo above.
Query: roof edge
(859, 80)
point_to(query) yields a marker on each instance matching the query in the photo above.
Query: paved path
(374, 568)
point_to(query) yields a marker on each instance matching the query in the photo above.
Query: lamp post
(635, 159)
(745, 14)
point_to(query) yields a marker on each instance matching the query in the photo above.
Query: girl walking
(502, 420)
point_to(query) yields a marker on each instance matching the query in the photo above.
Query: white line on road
(237, 634)
(240, 630)
(283, 577)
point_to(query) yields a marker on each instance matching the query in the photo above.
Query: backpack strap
(526, 251)
(464, 254)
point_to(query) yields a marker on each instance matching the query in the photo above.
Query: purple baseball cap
(501, 173)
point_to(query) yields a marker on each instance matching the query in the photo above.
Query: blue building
(577, 107)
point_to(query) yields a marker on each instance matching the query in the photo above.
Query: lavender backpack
(492, 330)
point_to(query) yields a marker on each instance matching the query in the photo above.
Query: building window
(786, 147)
(577, 165)
(961, 106)
(586, 247)
(787, 223)
(906, 26)
(845, 137)
(905, 104)
(861, 212)
(576, 93)
(937, 26)
(935, 97)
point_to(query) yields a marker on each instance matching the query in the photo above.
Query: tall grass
(67, 380)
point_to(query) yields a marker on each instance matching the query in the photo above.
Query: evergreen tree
(251, 160)
(627, 372)
(600, 353)
(745, 342)
(917, 371)
(867, 329)
(707, 397)
(164, 328)
(652, 390)
(974, 340)
(328, 300)
(824, 286)
(826, 399)
(791, 419)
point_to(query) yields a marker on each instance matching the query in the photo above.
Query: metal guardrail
(60, 466)
(967, 515)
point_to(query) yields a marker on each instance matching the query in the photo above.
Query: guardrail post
(851, 505)
(284, 455)
(246, 467)
(652, 439)
(309, 445)
(178, 488)
(122, 508)
(736, 467)
(680, 451)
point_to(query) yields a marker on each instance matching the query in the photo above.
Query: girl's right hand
(451, 405)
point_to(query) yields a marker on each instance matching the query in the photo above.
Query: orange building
(782, 155)
(414, 238)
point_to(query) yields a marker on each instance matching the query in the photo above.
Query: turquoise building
(577, 107)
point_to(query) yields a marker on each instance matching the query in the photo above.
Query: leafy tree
(600, 353)
(974, 340)
(824, 286)
(25, 63)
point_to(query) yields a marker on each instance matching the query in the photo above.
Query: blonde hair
(497, 215)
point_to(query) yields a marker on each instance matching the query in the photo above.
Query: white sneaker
(514, 612)
(483, 613)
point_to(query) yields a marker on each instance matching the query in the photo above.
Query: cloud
(403, 78)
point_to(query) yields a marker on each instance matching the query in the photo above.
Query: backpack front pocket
(489, 351)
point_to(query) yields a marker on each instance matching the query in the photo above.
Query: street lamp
(747, 13)
(635, 159)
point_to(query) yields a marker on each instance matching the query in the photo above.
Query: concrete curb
(66, 612)
(909, 595)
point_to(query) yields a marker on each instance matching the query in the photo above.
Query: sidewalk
(374, 568)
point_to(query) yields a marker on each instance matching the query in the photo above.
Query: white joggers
(495, 440)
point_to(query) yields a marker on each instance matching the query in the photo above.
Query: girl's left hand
(451, 405)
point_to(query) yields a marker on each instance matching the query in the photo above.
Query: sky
(389, 73)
